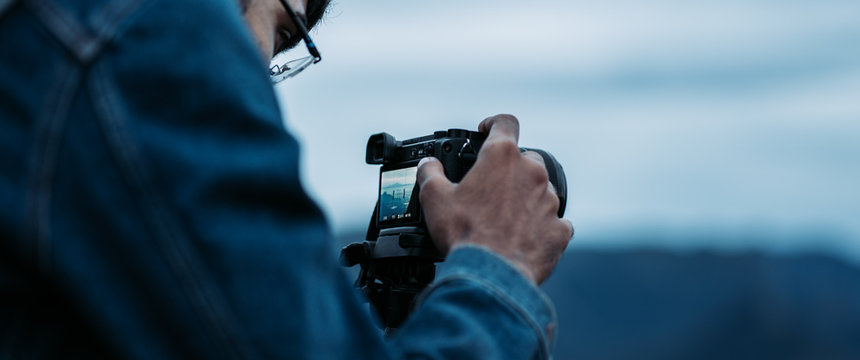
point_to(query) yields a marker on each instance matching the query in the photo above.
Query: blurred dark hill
(659, 304)
(650, 304)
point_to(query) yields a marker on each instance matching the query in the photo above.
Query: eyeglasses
(290, 68)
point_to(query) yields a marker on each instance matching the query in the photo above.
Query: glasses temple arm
(300, 24)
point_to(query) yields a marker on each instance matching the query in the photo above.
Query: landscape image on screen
(395, 192)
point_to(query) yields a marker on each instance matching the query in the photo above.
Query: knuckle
(535, 157)
(568, 230)
(427, 171)
(553, 202)
(537, 173)
(552, 188)
(427, 164)
(508, 117)
(501, 124)
(505, 149)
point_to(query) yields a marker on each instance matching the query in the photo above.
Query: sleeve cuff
(481, 265)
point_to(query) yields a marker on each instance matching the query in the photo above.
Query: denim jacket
(151, 208)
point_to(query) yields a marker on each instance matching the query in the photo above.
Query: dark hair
(314, 12)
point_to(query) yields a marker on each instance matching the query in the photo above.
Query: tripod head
(396, 265)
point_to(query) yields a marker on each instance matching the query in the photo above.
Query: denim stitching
(543, 296)
(50, 126)
(71, 33)
(166, 234)
(106, 23)
(500, 295)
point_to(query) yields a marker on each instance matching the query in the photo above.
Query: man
(150, 203)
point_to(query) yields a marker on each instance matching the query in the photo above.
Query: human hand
(505, 203)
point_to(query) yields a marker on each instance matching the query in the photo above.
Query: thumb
(431, 177)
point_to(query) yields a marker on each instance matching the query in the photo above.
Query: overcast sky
(739, 120)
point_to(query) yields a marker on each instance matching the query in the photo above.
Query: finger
(501, 127)
(531, 155)
(534, 156)
(550, 200)
(431, 176)
(569, 226)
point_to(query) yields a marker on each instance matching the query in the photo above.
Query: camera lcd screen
(395, 196)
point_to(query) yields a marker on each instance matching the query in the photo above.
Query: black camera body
(398, 257)
(456, 149)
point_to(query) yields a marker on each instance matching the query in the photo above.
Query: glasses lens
(289, 69)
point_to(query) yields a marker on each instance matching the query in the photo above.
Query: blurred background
(712, 151)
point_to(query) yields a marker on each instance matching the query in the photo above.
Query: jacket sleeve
(231, 257)
(480, 307)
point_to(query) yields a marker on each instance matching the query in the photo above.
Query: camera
(398, 257)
